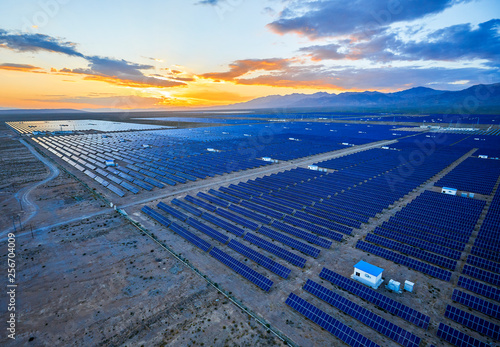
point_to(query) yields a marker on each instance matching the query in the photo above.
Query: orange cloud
(21, 67)
(127, 80)
(241, 67)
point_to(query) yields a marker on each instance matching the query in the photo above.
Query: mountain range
(477, 98)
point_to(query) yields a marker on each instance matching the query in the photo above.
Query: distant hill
(474, 99)
(38, 111)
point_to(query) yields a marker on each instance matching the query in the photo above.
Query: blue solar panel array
(482, 275)
(195, 240)
(476, 303)
(412, 251)
(473, 322)
(473, 175)
(291, 257)
(286, 240)
(213, 199)
(187, 207)
(302, 234)
(223, 224)
(314, 228)
(200, 203)
(327, 322)
(260, 259)
(479, 288)
(250, 214)
(365, 316)
(436, 248)
(409, 262)
(150, 212)
(172, 211)
(376, 298)
(237, 219)
(457, 337)
(483, 263)
(207, 230)
(259, 280)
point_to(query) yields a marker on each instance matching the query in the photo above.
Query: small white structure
(394, 286)
(409, 286)
(270, 159)
(449, 191)
(368, 274)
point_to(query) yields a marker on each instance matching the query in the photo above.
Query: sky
(173, 54)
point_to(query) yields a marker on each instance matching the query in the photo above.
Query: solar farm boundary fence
(143, 230)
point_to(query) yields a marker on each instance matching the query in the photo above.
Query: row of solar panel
(365, 316)
(404, 260)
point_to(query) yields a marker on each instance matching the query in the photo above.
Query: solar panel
(250, 214)
(412, 251)
(304, 248)
(251, 275)
(116, 190)
(207, 230)
(200, 203)
(482, 275)
(376, 298)
(457, 337)
(187, 207)
(273, 205)
(237, 219)
(174, 212)
(223, 224)
(479, 288)
(142, 184)
(483, 263)
(417, 242)
(327, 322)
(473, 322)
(153, 182)
(166, 180)
(483, 253)
(292, 258)
(302, 234)
(227, 197)
(129, 187)
(262, 209)
(260, 259)
(189, 236)
(150, 212)
(401, 259)
(314, 228)
(213, 199)
(323, 222)
(365, 316)
(476, 303)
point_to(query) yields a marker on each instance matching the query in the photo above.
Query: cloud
(288, 73)
(454, 43)
(21, 67)
(115, 71)
(209, 2)
(327, 18)
(241, 67)
(25, 42)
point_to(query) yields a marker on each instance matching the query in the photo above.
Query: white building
(449, 191)
(368, 274)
